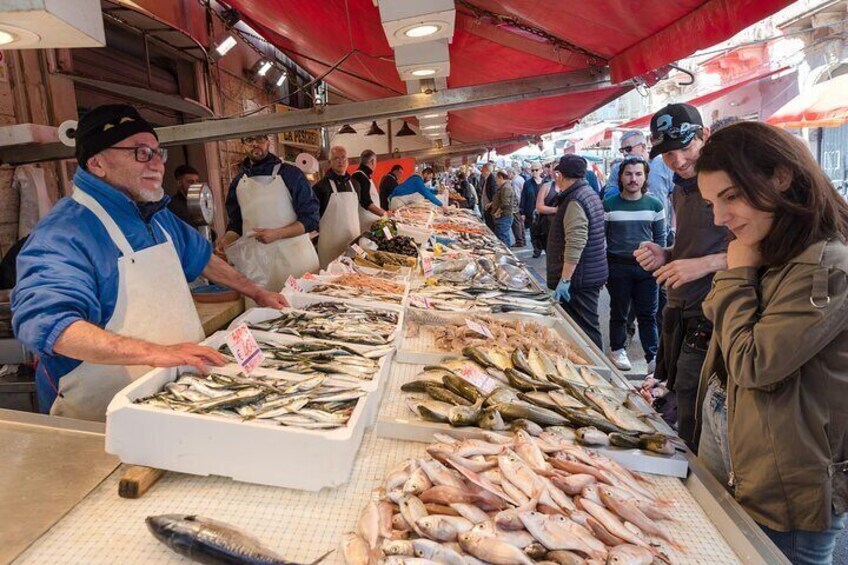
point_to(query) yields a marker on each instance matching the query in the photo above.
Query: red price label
(427, 264)
(310, 277)
(245, 349)
(478, 378)
(292, 283)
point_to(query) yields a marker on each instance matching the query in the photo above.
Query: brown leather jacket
(783, 337)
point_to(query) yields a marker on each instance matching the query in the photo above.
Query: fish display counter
(500, 434)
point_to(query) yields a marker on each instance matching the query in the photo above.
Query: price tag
(419, 301)
(245, 349)
(292, 283)
(358, 250)
(479, 328)
(430, 218)
(310, 277)
(478, 378)
(427, 265)
(387, 233)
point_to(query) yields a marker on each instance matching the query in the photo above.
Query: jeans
(518, 230)
(631, 282)
(808, 548)
(713, 447)
(503, 229)
(583, 309)
(689, 364)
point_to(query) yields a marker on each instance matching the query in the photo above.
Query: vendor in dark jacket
(576, 252)
(388, 184)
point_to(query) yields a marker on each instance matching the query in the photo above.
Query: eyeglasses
(254, 139)
(143, 153)
(536, 170)
(684, 132)
(339, 159)
(628, 148)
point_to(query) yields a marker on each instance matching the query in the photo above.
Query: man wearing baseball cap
(686, 269)
(576, 251)
(102, 293)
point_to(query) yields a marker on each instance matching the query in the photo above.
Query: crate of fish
(356, 287)
(314, 317)
(465, 398)
(360, 365)
(429, 337)
(243, 427)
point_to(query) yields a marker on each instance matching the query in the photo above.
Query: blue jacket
(660, 183)
(303, 199)
(528, 197)
(68, 270)
(412, 185)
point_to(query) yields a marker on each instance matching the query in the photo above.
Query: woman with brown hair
(779, 350)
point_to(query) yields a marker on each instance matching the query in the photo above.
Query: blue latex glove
(562, 292)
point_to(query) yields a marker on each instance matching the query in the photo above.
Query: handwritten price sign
(244, 348)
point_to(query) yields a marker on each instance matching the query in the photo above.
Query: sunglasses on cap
(254, 139)
(683, 133)
(628, 148)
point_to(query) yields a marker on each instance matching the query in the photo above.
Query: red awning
(643, 122)
(824, 105)
(632, 40)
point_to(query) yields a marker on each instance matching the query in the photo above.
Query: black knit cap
(572, 166)
(105, 126)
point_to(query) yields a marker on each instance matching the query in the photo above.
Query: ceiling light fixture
(422, 30)
(222, 48)
(375, 129)
(428, 116)
(424, 72)
(405, 130)
(6, 37)
(347, 128)
(264, 68)
(432, 127)
(282, 79)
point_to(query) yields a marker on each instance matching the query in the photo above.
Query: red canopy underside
(634, 37)
(825, 105)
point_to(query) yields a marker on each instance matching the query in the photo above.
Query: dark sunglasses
(628, 148)
(144, 154)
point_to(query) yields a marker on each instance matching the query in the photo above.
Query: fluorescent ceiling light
(224, 47)
(428, 116)
(263, 70)
(422, 30)
(424, 72)
(432, 127)
(282, 79)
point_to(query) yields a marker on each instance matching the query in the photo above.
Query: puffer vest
(592, 270)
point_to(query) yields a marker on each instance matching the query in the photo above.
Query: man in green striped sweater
(632, 217)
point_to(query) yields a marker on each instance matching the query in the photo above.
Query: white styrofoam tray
(423, 349)
(248, 451)
(374, 387)
(397, 421)
(301, 300)
(307, 285)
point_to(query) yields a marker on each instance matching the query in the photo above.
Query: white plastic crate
(308, 285)
(246, 451)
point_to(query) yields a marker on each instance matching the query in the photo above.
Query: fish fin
(322, 558)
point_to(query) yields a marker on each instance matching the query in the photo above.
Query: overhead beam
(456, 149)
(393, 107)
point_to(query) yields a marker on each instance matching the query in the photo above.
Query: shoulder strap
(112, 228)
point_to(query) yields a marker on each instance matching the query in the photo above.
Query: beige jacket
(782, 335)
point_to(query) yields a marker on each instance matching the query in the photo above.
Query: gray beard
(154, 195)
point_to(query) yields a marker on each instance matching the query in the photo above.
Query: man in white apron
(338, 203)
(102, 295)
(271, 205)
(369, 197)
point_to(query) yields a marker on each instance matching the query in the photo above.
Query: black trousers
(583, 309)
(539, 231)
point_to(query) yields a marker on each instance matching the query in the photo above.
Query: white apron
(399, 202)
(367, 217)
(266, 202)
(153, 304)
(338, 226)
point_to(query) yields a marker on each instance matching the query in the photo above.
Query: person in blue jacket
(102, 293)
(413, 189)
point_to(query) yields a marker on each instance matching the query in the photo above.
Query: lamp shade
(375, 129)
(346, 129)
(405, 130)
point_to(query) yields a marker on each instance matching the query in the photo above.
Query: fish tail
(322, 558)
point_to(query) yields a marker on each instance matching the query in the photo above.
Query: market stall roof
(824, 105)
(643, 122)
(488, 46)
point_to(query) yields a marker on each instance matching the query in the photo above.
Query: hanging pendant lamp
(346, 129)
(405, 130)
(375, 129)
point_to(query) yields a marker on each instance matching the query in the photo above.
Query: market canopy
(554, 37)
(824, 105)
(643, 122)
